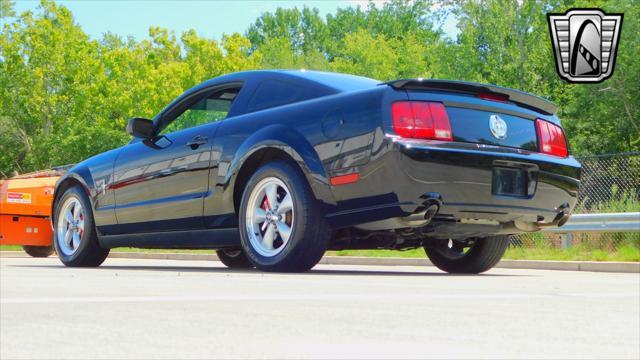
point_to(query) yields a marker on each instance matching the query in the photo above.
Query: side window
(272, 93)
(215, 107)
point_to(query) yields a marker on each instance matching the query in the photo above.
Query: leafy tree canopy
(65, 96)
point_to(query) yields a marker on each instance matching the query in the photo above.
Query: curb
(595, 266)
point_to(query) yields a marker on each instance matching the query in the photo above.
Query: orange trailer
(25, 211)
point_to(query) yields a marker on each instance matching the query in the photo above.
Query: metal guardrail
(612, 222)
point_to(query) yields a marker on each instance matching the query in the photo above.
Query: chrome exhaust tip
(431, 211)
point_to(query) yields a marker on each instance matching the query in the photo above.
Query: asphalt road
(197, 309)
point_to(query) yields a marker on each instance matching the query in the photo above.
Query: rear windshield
(342, 82)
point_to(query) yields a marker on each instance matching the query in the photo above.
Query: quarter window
(272, 93)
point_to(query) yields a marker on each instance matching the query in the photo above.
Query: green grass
(622, 253)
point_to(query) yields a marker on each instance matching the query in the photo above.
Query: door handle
(197, 141)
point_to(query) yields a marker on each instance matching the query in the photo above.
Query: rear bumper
(461, 173)
(405, 173)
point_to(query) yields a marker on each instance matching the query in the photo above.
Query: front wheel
(282, 227)
(75, 237)
(470, 256)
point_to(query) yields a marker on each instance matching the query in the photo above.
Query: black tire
(310, 232)
(234, 258)
(38, 251)
(484, 254)
(88, 253)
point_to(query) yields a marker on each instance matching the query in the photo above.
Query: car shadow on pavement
(430, 271)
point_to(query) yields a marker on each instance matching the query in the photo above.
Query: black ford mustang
(272, 168)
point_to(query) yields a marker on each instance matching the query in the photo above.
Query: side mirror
(140, 128)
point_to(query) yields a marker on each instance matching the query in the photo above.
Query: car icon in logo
(498, 127)
(585, 42)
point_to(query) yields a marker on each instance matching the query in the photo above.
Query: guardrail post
(566, 240)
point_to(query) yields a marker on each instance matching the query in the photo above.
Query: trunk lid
(484, 114)
(475, 126)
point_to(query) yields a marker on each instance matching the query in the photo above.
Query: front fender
(77, 175)
(293, 143)
(95, 170)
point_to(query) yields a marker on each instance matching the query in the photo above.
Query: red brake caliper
(265, 204)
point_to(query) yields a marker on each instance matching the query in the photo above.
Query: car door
(160, 183)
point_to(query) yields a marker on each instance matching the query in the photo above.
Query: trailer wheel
(38, 251)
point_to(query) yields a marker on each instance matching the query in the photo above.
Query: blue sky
(210, 18)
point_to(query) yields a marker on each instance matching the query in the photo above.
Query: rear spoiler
(519, 97)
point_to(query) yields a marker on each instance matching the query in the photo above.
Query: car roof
(332, 82)
(336, 81)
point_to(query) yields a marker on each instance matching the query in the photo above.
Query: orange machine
(25, 211)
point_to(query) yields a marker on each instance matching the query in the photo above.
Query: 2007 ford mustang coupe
(273, 168)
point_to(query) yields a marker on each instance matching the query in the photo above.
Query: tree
(48, 73)
(605, 117)
(6, 9)
(65, 96)
(507, 43)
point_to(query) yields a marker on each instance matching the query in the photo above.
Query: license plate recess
(509, 181)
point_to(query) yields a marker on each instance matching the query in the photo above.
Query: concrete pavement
(600, 266)
(132, 308)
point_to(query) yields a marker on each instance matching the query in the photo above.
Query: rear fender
(294, 144)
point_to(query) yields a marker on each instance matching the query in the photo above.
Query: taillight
(421, 120)
(551, 138)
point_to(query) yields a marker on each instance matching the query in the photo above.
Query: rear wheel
(234, 258)
(38, 251)
(75, 237)
(471, 256)
(281, 225)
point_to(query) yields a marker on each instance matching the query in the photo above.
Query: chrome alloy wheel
(269, 217)
(70, 226)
